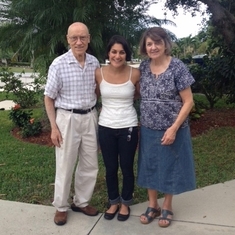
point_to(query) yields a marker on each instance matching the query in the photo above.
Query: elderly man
(70, 101)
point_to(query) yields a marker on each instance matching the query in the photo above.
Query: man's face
(78, 38)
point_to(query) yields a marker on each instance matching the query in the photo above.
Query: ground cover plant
(27, 166)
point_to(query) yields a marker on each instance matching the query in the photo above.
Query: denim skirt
(166, 168)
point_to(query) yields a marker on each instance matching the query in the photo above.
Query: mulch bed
(209, 120)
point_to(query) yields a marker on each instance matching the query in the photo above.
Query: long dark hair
(119, 40)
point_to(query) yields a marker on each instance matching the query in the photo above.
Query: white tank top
(117, 104)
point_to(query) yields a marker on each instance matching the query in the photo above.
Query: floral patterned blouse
(160, 100)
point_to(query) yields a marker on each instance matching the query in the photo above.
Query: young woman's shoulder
(97, 71)
(136, 71)
(135, 75)
(98, 76)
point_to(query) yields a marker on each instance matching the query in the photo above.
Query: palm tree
(187, 45)
(38, 28)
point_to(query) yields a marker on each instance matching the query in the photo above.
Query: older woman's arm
(187, 99)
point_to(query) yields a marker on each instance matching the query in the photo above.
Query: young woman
(165, 160)
(117, 84)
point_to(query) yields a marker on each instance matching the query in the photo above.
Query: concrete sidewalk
(6, 104)
(206, 211)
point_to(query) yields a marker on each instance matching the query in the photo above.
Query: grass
(215, 156)
(27, 170)
(21, 69)
(5, 96)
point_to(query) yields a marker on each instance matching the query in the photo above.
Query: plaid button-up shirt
(69, 84)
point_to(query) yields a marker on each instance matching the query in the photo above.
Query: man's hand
(56, 137)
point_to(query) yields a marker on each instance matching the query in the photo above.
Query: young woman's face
(117, 55)
(155, 49)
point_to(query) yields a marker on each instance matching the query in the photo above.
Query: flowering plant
(22, 119)
(19, 116)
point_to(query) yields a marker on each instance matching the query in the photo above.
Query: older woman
(165, 161)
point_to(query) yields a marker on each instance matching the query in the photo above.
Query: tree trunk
(32, 60)
(223, 20)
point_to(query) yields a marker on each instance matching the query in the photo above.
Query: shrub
(31, 129)
(20, 117)
(25, 95)
(207, 80)
(23, 119)
(196, 112)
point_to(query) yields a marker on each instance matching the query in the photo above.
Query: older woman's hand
(169, 136)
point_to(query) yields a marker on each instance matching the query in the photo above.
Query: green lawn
(21, 69)
(5, 96)
(27, 170)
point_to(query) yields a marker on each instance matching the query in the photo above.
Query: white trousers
(79, 150)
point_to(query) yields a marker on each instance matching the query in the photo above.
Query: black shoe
(110, 216)
(122, 217)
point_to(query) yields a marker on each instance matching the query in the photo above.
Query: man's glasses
(81, 38)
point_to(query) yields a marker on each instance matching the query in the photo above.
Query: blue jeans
(119, 146)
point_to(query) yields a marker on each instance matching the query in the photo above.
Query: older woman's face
(155, 49)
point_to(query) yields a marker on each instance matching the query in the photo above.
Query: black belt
(81, 111)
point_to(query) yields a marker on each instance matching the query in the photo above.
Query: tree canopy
(39, 27)
(222, 16)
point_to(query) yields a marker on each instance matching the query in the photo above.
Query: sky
(185, 23)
